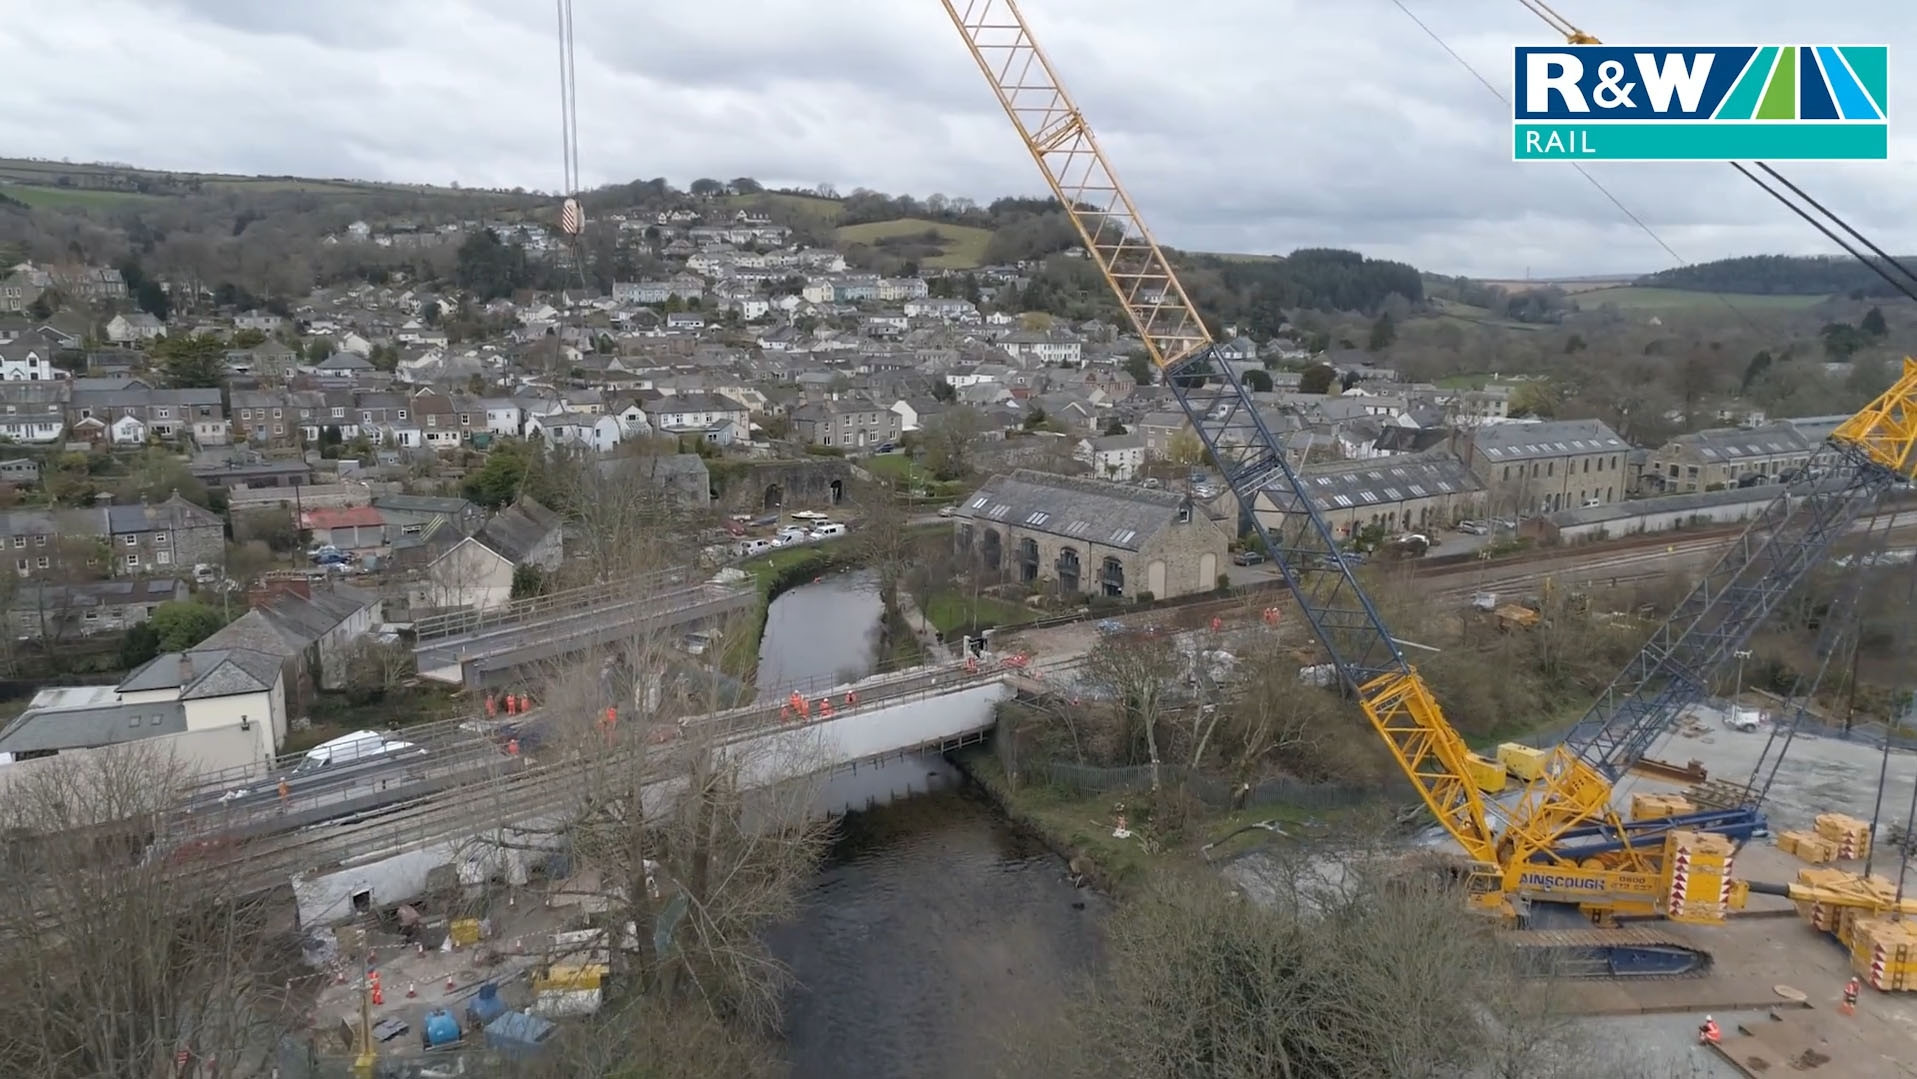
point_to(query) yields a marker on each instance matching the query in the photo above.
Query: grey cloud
(1257, 125)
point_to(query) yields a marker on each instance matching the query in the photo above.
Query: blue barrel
(439, 1028)
(487, 1006)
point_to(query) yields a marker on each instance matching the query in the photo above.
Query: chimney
(186, 669)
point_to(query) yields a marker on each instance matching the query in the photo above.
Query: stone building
(1090, 536)
(1736, 456)
(164, 537)
(846, 424)
(1407, 492)
(1532, 468)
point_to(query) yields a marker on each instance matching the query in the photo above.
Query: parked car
(1473, 528)
(947, 511)
(1247, 557)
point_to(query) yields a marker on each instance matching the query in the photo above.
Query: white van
(827, 531)
(751, 547)
(790, 535)
(354, 748)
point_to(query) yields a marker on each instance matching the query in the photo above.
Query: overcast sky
(1259, 126)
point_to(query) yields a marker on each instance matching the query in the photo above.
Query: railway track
(513, 794)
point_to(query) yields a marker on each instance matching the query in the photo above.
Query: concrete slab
(1762, 949)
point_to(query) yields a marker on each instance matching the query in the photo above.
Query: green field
(1631, 298)
(823, 213)
(72, 198)
(963, 246)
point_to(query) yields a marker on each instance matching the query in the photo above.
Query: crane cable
(1630, 214)
(1571, 33)
(572, 218)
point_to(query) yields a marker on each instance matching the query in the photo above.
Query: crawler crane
(1567, 845)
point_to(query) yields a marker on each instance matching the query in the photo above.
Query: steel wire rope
(1843, 624)
(1572, 33)
(1630, 214)
(1883, 765)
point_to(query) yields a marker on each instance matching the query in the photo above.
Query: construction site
(1719, 871)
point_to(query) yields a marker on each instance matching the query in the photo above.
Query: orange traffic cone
(412, 990)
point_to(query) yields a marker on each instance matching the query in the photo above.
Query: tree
(1138, 364)
(1873, 323)
(745, 185)
(943, 391)
(1257, 380)
(1140, 671)
(1184, 448)
(175, 961)
(374, 669)
(182, 623)
(498, 481)
(705, 187)
(1278, 977)
(191, 362)
(1317, 378)
(950, 439)
(1383, 332)
(1115, 427)
(1534, 398)
(139, 645)
(248, 338)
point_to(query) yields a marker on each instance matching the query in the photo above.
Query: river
(935, 929)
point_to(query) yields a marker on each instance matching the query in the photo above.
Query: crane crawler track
(1628, 953)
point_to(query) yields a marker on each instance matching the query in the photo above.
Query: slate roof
(216, 672)
(514, 532)
(1356, 484)
(291, 623)
(401, 503)
(1092, 511)
(1505, 442)
(175, 514)
(1738, 443)
(38, 729)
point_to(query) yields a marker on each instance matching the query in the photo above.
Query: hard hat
(1708, 1019)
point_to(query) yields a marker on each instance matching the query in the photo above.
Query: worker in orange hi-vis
(1851, 989)
(1708, 1034)
(286, 794)
(512, 747)
(825, 707)
(851, 698)
(525, 704)
(492, 706)
(512, 705)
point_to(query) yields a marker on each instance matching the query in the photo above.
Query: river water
(935, 932)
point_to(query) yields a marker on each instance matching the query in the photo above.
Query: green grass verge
(1669, 299)
(955, 608)
(962, 246)
(1080, 823)
(72, 198)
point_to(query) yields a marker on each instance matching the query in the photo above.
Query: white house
(128, 430)
(477, 571)
(221, 687)
(696, 411)
(1113, 457)
(28, 364)
(504, 417)
(133, 329)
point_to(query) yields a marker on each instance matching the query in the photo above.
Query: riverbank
(1163, 829)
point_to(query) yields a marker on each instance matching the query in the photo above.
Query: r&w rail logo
(1701, 103)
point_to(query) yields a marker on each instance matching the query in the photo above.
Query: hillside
(66, 185)
(1781, 275)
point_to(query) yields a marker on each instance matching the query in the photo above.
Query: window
(43, 562)
(39, 541)
(19, 541)
(402, 413)
(164, 558)
(276, 413)
(159, 537)
(339, 413)
(133, 560)
(132, 541)
(162, 413)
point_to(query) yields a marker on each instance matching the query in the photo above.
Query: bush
(1145, 599)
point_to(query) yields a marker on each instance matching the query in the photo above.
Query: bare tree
(110, 962)
(1320, 964)
(1140, 670)
(625, 521)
